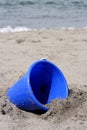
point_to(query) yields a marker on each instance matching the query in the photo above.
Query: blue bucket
(42, 83)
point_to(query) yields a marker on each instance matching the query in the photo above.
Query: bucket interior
(41, 80)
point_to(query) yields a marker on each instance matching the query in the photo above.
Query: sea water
(37, 14)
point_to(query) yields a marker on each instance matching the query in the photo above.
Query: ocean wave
(16, 29)
(4, 4)
(15, 3)
(79, 4)
(68, 4)
(27, 3)
(10, 29)
(50, 3)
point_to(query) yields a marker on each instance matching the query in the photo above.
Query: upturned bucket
(42, 83)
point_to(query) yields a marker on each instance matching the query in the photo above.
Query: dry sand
(68, 50)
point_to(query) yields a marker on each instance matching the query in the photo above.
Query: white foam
(24, 29)
(16, 29)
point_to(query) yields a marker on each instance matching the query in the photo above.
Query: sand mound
(61, 110)
(74, 107)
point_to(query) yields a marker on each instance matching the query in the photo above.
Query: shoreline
(10, 29)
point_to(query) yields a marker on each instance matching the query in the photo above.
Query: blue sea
(38, 14)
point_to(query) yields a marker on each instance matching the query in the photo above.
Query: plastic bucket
(42, 83)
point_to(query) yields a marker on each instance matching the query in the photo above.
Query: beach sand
(67, 48)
